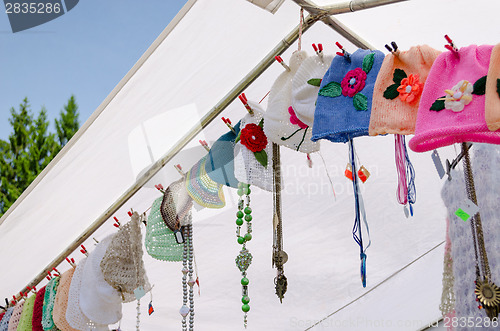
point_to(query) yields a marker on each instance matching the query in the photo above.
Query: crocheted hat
(281, 124)
(122, 265)
(220, 162)
(2, 314)
(99, 301)
(305, 86)
(160, 240)
(492, 113)
(176, 205)
(16, 316)
(4, 323)
(398, 88)
(252, 150)
(345, 96)
(27, 315)
(38, 310)
(61, 301)
(202, 189)
(48, 304)
(452, 105)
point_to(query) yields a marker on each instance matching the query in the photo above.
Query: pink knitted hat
(492, 113)
(452, 105)
(398, 89)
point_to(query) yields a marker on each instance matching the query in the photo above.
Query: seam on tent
(169, 28)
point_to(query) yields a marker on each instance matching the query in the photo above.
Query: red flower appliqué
(353, 82)
(295, 120)
(253, 137)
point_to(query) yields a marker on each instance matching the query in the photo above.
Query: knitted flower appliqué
(352, 84)
(408, 88)
(295, 120)
(460, 95)
(252, 136)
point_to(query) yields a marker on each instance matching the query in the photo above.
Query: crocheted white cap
(246, 167)
(304, 95)
(122, 265)
(281, 124)
(99, 301)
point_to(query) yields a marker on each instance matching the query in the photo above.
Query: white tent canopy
(202, 54)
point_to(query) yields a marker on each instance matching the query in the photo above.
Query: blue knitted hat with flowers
(345, 97)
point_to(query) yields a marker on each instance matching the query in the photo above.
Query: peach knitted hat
(398, 88)
(492, 113)
(61, 302)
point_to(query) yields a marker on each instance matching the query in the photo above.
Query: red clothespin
(228, 123)
(58, 274)
(280, 61)
(71, 262)
(160, 188)
(319, 50)
(451, 46)
(204, 144)
(344, 53)
(130, 212)
(84, 250)
(244, 100)
(31, 289)
(117, 222)
(179, 169)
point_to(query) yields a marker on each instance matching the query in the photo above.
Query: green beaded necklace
(244, 259)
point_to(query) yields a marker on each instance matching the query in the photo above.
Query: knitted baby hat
(48, 304)
(27, 315)
(99, 301)
(345, 96)
(281, 124)
(492, 113)
(176, 205)
(451, 108)
(305, 86)
(398, 88)
(61, 302)
(4, 323)
(2, 314)
(160, 240)
(16, 316)
(220, 162)
(202, 189)
(122, 265)
(247, 168)
(38, 310)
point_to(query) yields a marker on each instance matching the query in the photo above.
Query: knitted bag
(202, 189)
(492, 113)
(2, 314)
(220, 162)
(16, 316)
(398, 88)
(4, 323)
(48, 304)
(38, 310)
(452, 105)
(247, 168)
(61, 302)
(160, 240)
(122, 265)
(486, 177)
(176, 205)
(281, 124)
(99, 301)
(25, 321)
(305, 86)
(345, 96)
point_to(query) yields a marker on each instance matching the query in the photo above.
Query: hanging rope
(301, 24)
(406, 191)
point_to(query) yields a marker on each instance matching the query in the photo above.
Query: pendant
(488, 295)
(281, 284)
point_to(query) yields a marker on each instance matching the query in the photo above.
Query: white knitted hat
(122, 265)
(99, 301)
(281, 124)
(304, 94)
(246, 167)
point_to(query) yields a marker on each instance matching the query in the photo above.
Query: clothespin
(31, 289)
(451, 45)
(394, 50)
(227, 121)
(280, 61)
(179, 170)
(84, 250)
(58, 273)
(117, 222)
(244, 100)
(71, 262)
(160, 188)
(344, 53)
(15, 300)
(319, 50)
(204, 144)
(49, 277)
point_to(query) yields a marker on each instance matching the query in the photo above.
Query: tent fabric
(185, 73)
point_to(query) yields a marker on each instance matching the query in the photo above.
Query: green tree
(68, 123)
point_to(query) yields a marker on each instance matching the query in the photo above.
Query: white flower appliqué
(459, 96)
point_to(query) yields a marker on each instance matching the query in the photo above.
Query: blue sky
(85, 52)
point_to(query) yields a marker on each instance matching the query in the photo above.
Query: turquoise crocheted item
(48, 304)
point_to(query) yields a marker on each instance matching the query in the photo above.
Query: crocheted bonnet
(160, 240)
(176, 205)
(345, 96)
(305, 87)
(61, 302)
(99, 301)
(122, 265)
(220, 162)
(48, 304)
(16, 316)
(27, 315)
(203, 190)
(4, 323)
(398, 88)
(38, 310)
(247, 168)
(492, 114)
(281, 124)
(452, 105)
